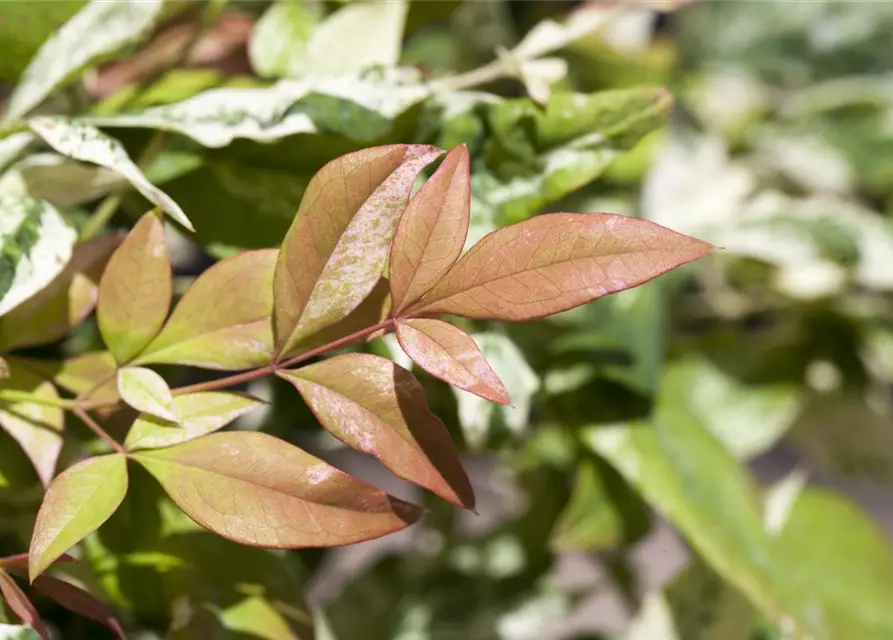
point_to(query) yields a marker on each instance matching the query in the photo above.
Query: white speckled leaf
(85, 142)
(218, 116)
(35, 245)
(98, 30)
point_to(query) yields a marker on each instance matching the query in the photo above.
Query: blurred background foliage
(708, 456)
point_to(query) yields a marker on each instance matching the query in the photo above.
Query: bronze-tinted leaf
(258, 490)
(555, 262)
(375, 406)
(336, 249)
(20, 604)
(135, 290)
(199, 414)
(225, 319)
(76, 504)
(51, 313)
(452, 355)
(432, 231)
(36, 427)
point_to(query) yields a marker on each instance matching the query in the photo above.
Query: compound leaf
(379, 408)
(146, 391)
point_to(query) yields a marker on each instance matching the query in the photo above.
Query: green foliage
(358, 257)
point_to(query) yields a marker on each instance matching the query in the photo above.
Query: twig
(99, 431)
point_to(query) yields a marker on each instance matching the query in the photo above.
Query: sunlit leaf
(198, 414)
(18, 632)
(146, 391)
(278, 46)
(555, 262)
(477, 415)
(451, 355)
(431, 232)
(377, 407)
(4, 369)
(36, 427)
(85, 142)
(76, 504)
(747, 419)
(135, 291)
(35, 245)
(255, 489)
(238, 333)
(359, 35)
(61, 305)
(21, 605)
(335, 250)
(99, 29)
(362, 108)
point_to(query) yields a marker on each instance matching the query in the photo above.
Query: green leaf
(13, 146)
(36, 427)
(278, 45)
(4, 369)
(20, 604)
(24, 27)
(79, 374)
(477, 415)
(198, 414)
(95, 32)
(431, 232)
(451, 355)
(379, 408)
(360, 107)
(255, 489)
(748, 419)
(238, 334)
(63, 182)
(18, 632)
(61, 305)
(75, 505)
(336, 249)
(35, 245)
(357, 36)
(83, 141)
(146, 391)
(135, 291)
(530, 269)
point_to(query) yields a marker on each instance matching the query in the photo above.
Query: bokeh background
(649, 430)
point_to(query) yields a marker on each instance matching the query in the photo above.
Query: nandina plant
(275, 312)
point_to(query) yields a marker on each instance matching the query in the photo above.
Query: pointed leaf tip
(255, 489)
(146, 391)
(432, 231)
(554, 262)
(77, 502)
(452, 355)
(337, 246)
(135, 290)
(377, 407)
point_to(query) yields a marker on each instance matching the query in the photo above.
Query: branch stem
(99, 431)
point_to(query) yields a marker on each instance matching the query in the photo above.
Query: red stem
(99, 431)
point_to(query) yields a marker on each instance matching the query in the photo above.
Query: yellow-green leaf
(199, 414)
(135, 291)
(75, 505)
(146, 391)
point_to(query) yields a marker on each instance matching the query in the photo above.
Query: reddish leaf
(75, 505)
(238, 333)
(50, 314)
(135, 291)
(451, 355)
(21, 605)
(555, 262)
(377, 407)
(258, 490)
(36, 427)
(18, 564)
(336, 248)
(372, 310)
(432, 231)
(81, 602)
